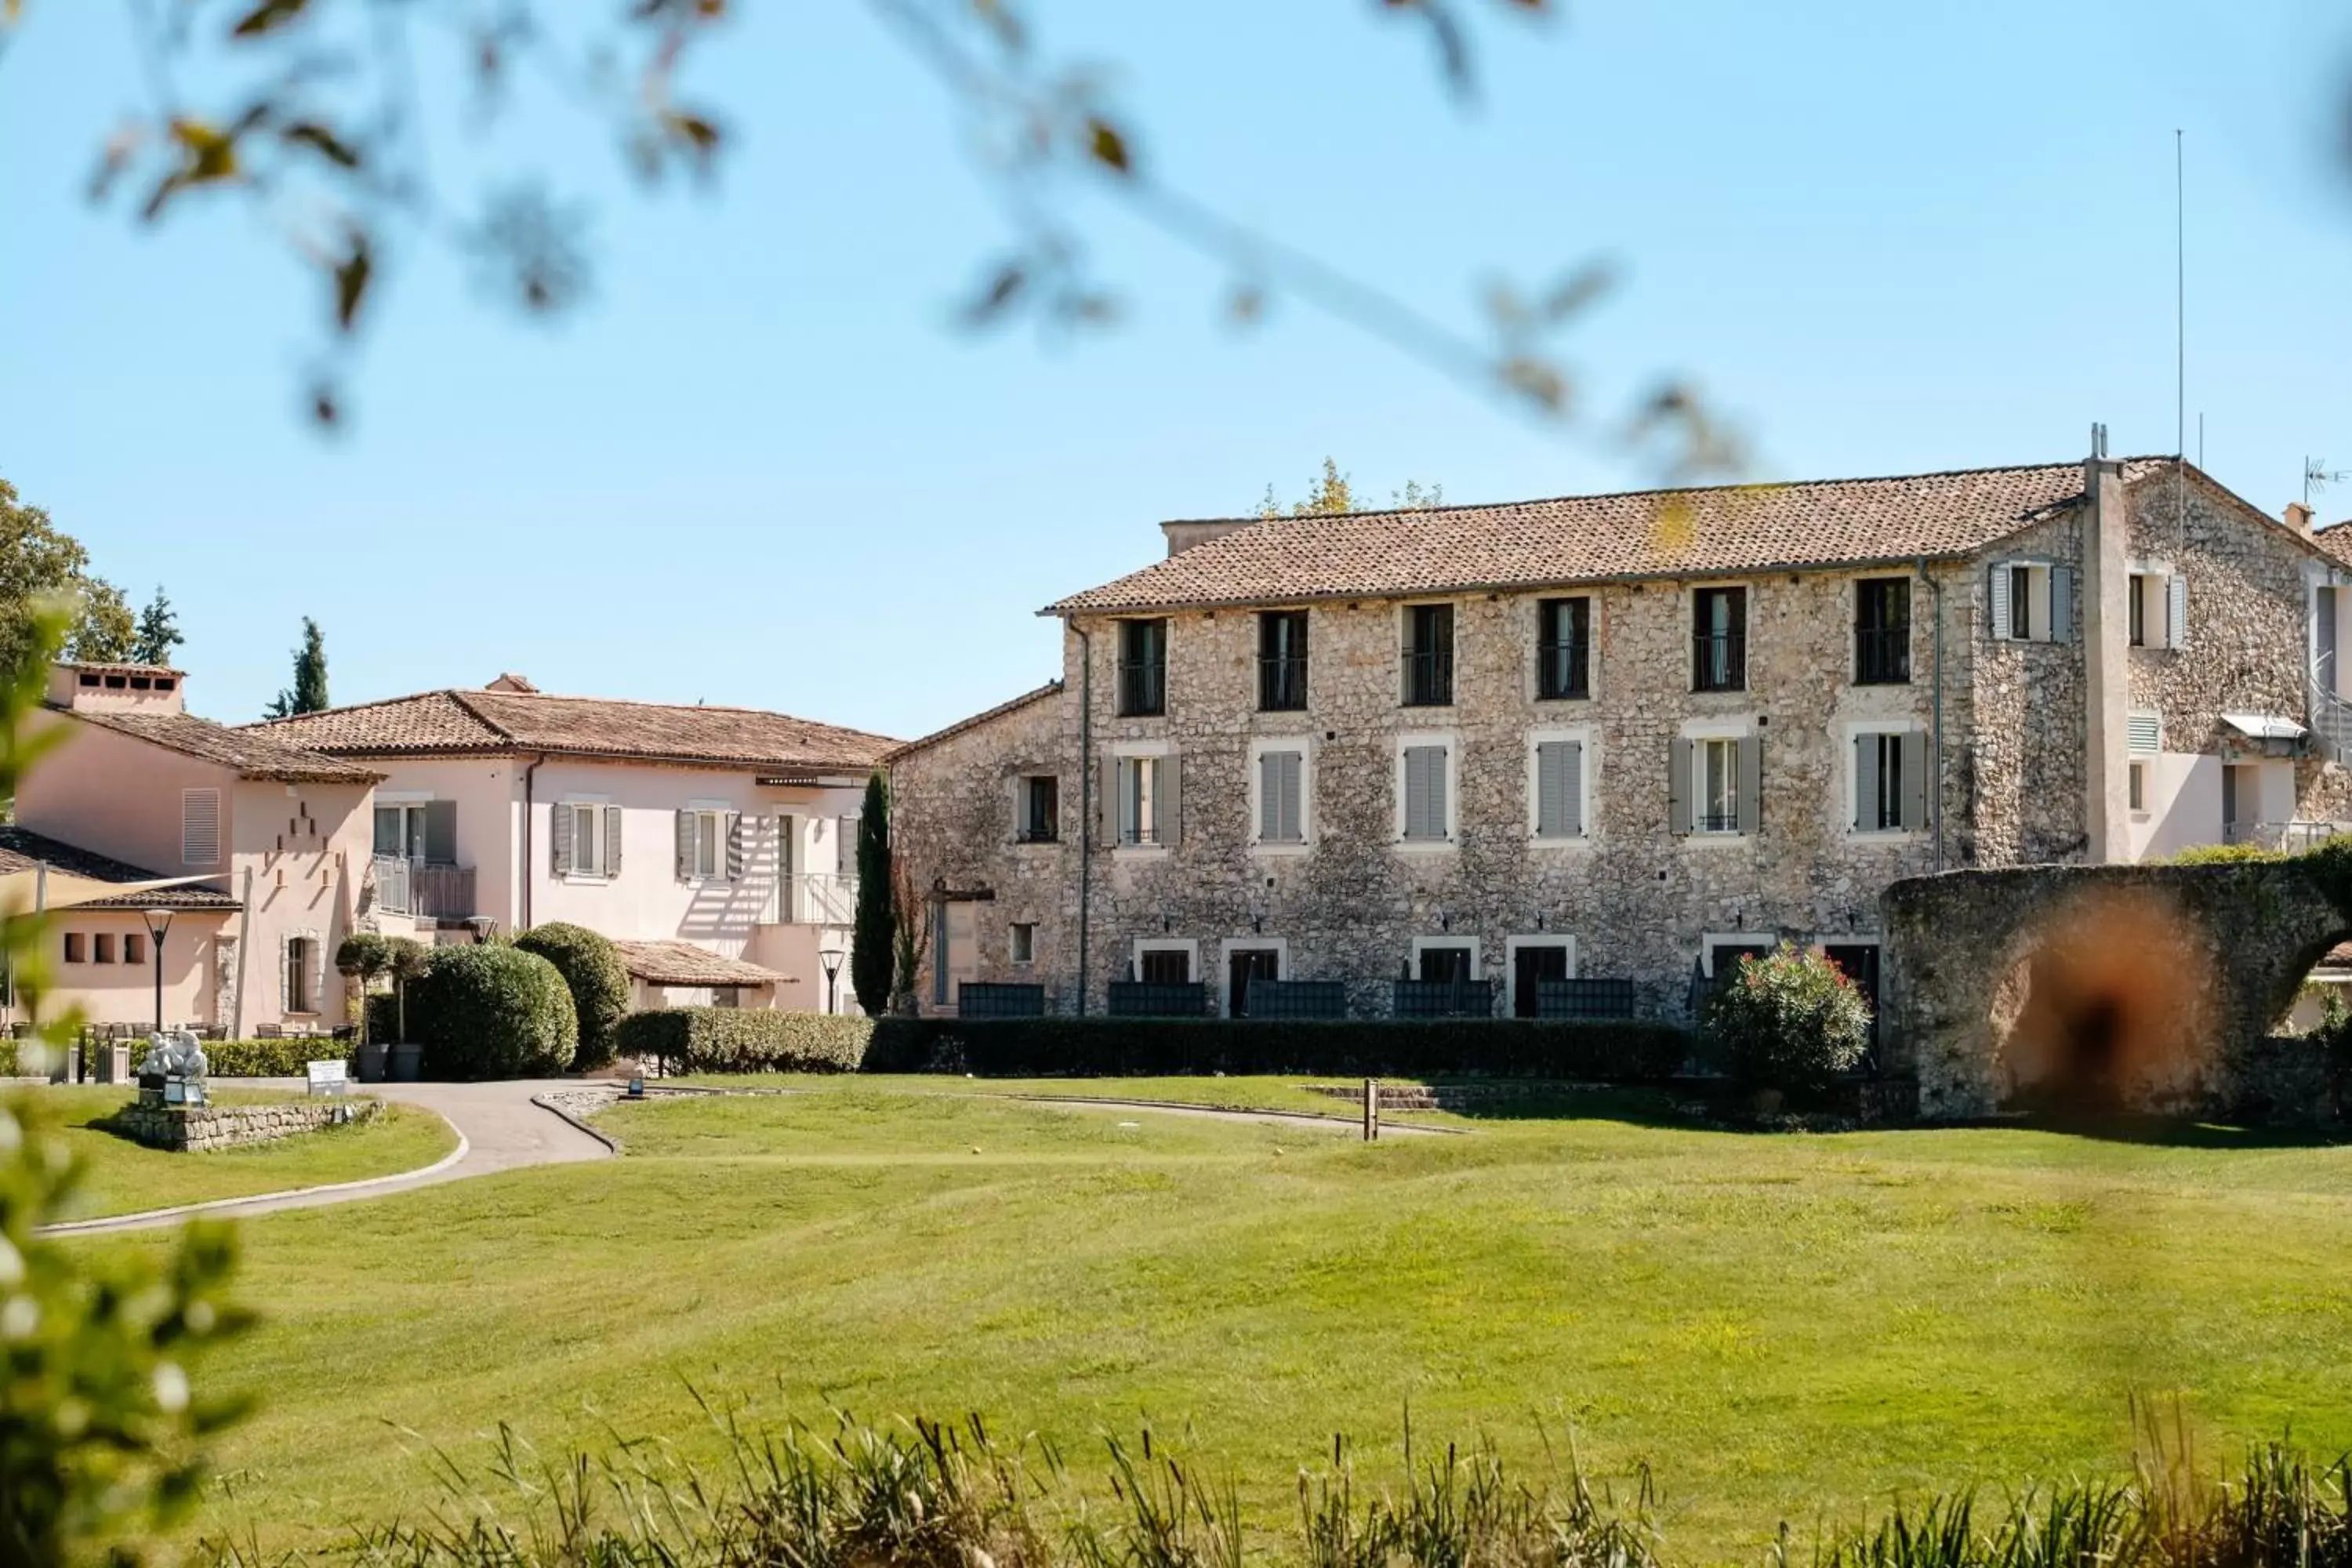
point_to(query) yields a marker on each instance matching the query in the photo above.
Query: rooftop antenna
(2180, 331)
(2316, 476)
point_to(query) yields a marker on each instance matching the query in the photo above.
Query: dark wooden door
(1243, 965)
(1530, 967)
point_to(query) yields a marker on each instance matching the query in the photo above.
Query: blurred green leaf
(1105, 146)
(333, 148)
(268, 18)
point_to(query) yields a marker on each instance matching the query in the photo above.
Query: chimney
(510, 682)
(1183, 536)
(115, 688)
(2106, 658)
(2298, 518)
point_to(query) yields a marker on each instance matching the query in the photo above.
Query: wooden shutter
(612, 842)
(1294, 796)
(1678, 782)
(1997, 593)
(1110, 800)
(1865, 782)
(1571, 788)
(1440, 816)
(845, 845)
(286, 951)
(2176, 612)
(1416, 793)
(686, 825)
(559, 838)
(317, 953)
(1751, 782)
(1551, 790)
(1168, 799)
(1269, 796)
(1914, 780)
(734, 846)
(441, 832)
(2061, 604)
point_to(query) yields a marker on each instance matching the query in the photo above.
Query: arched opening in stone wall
(2111, 1002)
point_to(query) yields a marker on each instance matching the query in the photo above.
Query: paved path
(498, 1129)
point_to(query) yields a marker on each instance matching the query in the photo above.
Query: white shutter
(1679, 756)
(1551, 789)
(1416, 791)
(611, 841)
(1127, 773)
(1294, 796)
(734, 864)
(284, 975)
(1440, 819)
(318, 957)
(1269, 795)
(1865, 782)
(2061, 625)
(1997, 598)
(1914, 781)
(1751, 782)
(1571, 789)
(845, 845)
(686, 826)
(2144, 732)
(559, 838)
(2176, 612)
(1168, 798)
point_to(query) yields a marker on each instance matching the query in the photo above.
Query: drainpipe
(529, 775)
(1085, 797)
(244, 953)
(1936, 797)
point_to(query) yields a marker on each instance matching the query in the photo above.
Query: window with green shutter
(1425, 816)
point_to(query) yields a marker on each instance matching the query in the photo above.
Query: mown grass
(1790, 1326)
(123, 1177)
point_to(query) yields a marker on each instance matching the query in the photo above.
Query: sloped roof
(673, 963)
(21, 849)
(2336, 540)
(458, 722)
(1015, 705)
(254, 754)
(1639, 533)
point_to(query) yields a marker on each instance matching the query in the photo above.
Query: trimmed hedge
(262, 1058)
(491, 1011)
(738, 1039)
(592, 970)
(1598, 1052)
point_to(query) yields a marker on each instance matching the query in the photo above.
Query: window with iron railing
(1882, 631)
(1143, 668)
(1429, 656)
(1719, 639)
(1563, 649)
(1282, 661)
(1041, 809)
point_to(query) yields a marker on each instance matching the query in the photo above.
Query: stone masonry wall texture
(1639, 901)
(185, 1129)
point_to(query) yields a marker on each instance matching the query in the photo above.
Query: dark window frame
(1282, 654)
(1720, 657)
(1564, 661)
(1428, 665)
(1143, 670)
(1037, 826)
(1882, 641)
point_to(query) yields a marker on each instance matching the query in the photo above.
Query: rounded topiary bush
(1790, 1021)
(591, 966)
(491, 1012)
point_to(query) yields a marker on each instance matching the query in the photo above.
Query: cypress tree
(873, 957)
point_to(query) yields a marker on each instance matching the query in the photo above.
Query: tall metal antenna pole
(2179, 295)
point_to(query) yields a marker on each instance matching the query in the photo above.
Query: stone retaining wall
(185, 1128)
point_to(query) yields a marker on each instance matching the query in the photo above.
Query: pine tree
(159, 631)
(873, 955)
(309, 693)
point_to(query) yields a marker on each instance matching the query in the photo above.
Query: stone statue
(177, 1058)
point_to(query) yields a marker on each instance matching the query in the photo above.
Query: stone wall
(187, 1129)
(2143, 987)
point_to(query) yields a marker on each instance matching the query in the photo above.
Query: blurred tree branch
(321, 129)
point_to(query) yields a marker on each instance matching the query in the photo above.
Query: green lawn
(1258, 1094)
(1781, 1326)
(123, 1177)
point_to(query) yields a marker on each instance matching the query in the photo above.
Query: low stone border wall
(182, 1129)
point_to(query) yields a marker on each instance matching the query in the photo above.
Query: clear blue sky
(762, 466)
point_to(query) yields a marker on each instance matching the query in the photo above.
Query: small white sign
(327, 1079)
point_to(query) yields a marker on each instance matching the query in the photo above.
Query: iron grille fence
(1158, 999)
(1429, 678)
(1882, 655)
(1562, 668)
(1296, 999)
(1443, 999)
(1719, 662)
(1142, 687)
(976, 999)
(1584, 999)
(1282, 682)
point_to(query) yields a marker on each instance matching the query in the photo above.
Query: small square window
(2138, 776)
(1024, 941)
(101, 948)
(134, 948)
(1041, 809)
(76, 948)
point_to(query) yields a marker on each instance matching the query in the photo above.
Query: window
(1429, 656)
(2030, 603)
(586, 839)
(1534, 960)
(101, 948)
(1722, 953)
(1890, 781)
(2158, 605)
(1563, 649)
(417, 830)
(134, 947)
(2240, 801)
(1448, 965)
(2136, 597)
(1282, 661)
(845, 845)
(2136, 787)
(1714, 783)
(1041, 809)
(1164, 966)
(1426, 814)
(76, 948)
(1281, 797)
(708, 826)
(1558, 787)
(200, 827)
(1719, 639)
(1024, 941)
(1143, 668)
(301, 975)
(1882, 631)
(1141, 800)
(709, 844)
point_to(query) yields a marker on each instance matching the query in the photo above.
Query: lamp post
(832, 958)
(158, 923)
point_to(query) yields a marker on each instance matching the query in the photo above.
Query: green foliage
(39, 562)
(2225, 855)
(1790, 1021)
(1612, 1052)
(158, 633)
(270, 1058)
(492, 1012)
(309, 693)
(873, 957)
(1332, 494)
(744, 1039)
(591, 968)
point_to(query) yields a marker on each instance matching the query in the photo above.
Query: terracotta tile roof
(2336, 957)
(475, 722)
(2334, 540)
(1642, 533)
(21, 849)
(671, 962)
(253, 753)
(1051, 688)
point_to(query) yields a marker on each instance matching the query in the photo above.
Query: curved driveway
(498, 1126)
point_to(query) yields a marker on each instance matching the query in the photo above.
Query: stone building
(1614, 738)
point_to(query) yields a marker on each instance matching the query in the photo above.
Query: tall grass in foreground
(934, 1496)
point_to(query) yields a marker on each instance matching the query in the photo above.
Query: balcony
(1719, 662)
(1561, 670)
(423, 889)
(1882, 655)
(822, 898)
(1281, 683)
(1142, 687)
(1429, 678)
